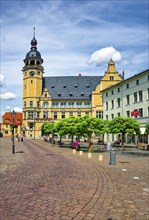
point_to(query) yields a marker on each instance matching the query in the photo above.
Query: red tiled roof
(7, 118)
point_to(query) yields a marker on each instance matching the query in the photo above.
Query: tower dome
(33, 52)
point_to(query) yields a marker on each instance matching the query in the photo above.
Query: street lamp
(52, 131)
(13, 145)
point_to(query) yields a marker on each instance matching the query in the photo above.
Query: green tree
(61, 128)
(48, 128)
(88, 125)
(147, 128)
(123, 125)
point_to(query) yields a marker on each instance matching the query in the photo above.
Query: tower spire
(34, 42)
(34, 32)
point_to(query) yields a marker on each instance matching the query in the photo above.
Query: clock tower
(32, 82)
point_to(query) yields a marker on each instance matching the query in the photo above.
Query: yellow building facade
(53, 98)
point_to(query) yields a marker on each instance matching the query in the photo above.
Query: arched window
(32, 62)
(79, 104)
(31, 104)
(45, 105)
(87, 104)
(70, 104)
(63, 104)
(55, 104)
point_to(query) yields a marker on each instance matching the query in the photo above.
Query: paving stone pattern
(50, 183)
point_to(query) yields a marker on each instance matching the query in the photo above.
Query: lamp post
(52, 131)
(34, 121)
(13, 145)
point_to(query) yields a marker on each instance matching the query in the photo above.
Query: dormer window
(82, 94)
(64, 86)
(70, 94)
(59, 94)
(76, 86)
(87, 86)
(53, 86)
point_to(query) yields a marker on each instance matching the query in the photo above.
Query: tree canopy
(124, 126)
(147, 128)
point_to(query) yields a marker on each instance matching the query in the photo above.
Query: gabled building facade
(54, 98)
(129, 98)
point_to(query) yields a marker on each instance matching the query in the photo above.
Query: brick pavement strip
(43, 183)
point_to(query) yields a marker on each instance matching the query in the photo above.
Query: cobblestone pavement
(41, 182)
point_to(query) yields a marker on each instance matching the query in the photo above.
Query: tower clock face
(32, 73)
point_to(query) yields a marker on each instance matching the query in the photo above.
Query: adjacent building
(129, 98)
(8, 120)
(53, 98)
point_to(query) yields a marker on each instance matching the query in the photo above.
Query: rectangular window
(86, 113)
(118, 102)
(38, 104)
(137, 82)
(63, 115)
(24, 115)
(112, 116)
(79, 114)
(118, 89)
(118, 114)
(106, 117)
(106, 94)
(45, 114)
(31, 126)
(127, 100)
(6, 132)
(112, 104)
(140, 96)
(106, 105)
(25, 104)
(38, 114)
(111, 78)
(99, 114)
(31, 81)
(112, 92)
(70, 114)
(128, 113)
(30, 115)
(135, 97)
(55, 115)
(127, 85)
(141, 112)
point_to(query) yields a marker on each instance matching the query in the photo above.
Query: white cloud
(7, 95)
(8, 107)
(104, 55)
(2, 77)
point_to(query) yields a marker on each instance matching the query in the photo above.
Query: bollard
(89, 155)
(81, 153)
(100, 157)
(112, 157)
(74, 151)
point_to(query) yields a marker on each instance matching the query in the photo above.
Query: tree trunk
(123, 137)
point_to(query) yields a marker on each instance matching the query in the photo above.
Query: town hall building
(52, 98)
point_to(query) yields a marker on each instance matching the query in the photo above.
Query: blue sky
(74, 36)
